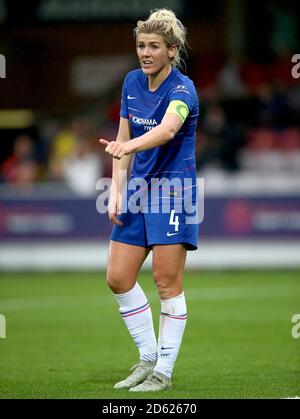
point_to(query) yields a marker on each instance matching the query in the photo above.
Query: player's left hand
(115, 149)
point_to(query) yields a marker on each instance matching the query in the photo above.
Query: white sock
(171, 327)
(136, 313)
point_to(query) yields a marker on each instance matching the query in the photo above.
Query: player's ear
(172, 51)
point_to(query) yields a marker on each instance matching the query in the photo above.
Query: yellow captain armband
(180, 108)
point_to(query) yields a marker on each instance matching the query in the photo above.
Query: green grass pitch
(65, 338)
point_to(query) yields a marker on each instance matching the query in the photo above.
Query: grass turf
(65, 338)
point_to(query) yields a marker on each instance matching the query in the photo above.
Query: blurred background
(65, 61)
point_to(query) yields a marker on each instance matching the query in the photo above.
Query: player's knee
(164, 289)
(116, 282)
(167, 286)
(113, 280)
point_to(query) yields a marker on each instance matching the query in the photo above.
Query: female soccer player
(158, 119)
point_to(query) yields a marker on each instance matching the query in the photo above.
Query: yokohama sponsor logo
(142, 121)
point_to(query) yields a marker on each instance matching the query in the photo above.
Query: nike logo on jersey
(171, 347)
(130, 97)
(171, 234)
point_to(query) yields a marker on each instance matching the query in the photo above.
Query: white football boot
(140, 372)
(155, 382)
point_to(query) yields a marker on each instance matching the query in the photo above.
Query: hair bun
(163, 14)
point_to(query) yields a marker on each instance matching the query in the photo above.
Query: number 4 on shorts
(174, 220)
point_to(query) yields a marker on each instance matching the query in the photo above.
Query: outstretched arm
(158, 136)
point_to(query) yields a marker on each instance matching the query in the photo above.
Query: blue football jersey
(145, 110)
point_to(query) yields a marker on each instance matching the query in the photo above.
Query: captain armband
(180, 108)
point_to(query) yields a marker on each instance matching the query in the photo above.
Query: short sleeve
(124, 108)
(183, 93)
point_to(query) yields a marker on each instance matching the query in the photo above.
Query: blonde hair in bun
(165, 23)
